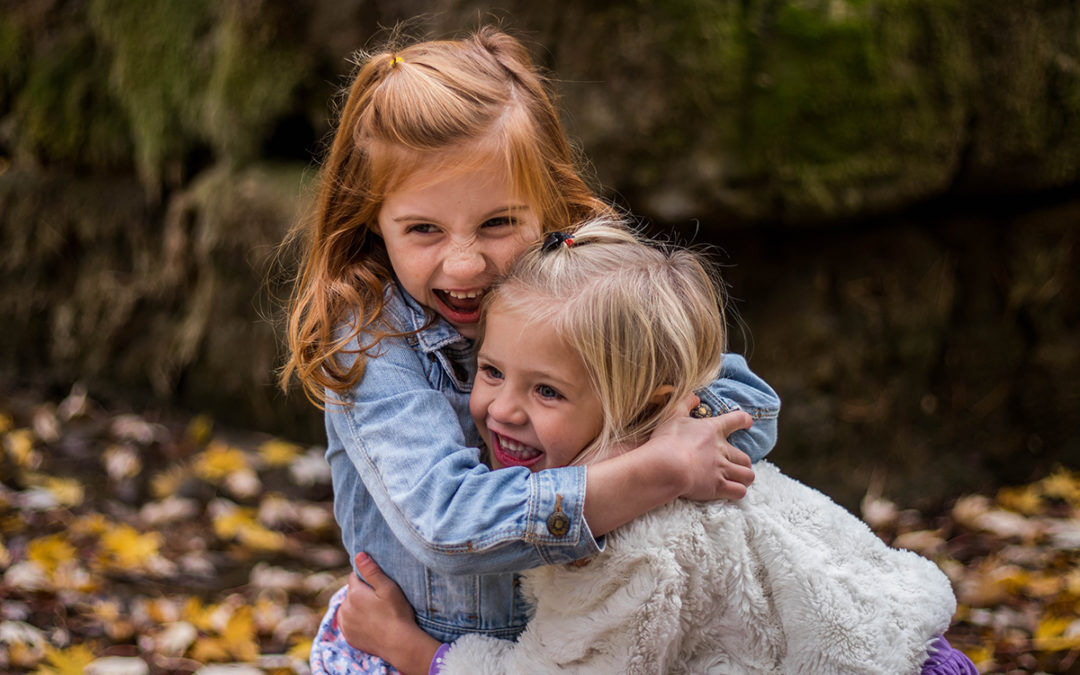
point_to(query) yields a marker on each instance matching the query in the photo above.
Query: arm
(405, 440)
(405, 452)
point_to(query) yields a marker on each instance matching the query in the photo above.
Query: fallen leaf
(199, 429)
(125, 548)
(277, 452)
(70, 661)
(218, 461)
(49, 552)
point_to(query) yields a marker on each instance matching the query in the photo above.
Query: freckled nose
(464, 261)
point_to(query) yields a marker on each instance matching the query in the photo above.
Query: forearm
(624, 487)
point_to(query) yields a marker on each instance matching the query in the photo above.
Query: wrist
(663, 465)
(413, 653)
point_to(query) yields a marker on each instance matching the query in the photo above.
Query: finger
(739, 474)
(734, 455)
(734, 421)
(373, 574)
(731, 490)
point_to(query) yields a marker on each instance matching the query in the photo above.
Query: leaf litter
(133, 544)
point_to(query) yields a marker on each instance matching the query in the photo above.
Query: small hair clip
(395, 59)
(554, 239)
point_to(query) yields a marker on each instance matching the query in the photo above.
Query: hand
(712, 466)
(376, 618)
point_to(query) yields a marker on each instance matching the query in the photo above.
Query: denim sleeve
(405, 440)
(737, 388)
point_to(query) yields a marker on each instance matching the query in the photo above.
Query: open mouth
(509, 452)
(460, 306)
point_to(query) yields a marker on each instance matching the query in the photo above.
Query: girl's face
(450, 236)
(531, 400)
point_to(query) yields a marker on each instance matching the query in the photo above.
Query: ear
(661, 394)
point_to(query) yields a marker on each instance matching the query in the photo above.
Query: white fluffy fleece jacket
(783, 581)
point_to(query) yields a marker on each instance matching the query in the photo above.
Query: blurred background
(893, 187)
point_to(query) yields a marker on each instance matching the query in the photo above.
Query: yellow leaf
(239, 635)
(979, 654)
(209, 649)
(70, 661)
(125, 548)
(168, 482)
(240, 524)
(301, 650)
(20, 448)
(197, 615)
(1062, 484)
(1055, 634)
(277, 452)
(199, 428)
(93, 524)
(48, 552)
(1026, 499)
(218, 461)
(68, 491)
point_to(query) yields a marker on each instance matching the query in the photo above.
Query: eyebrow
(512, 208)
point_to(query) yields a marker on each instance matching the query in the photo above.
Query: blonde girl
(448, 161)
(588, 346)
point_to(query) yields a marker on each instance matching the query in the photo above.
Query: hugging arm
(404, 441)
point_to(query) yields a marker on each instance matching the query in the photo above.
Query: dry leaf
(70, 661)
(277, 452)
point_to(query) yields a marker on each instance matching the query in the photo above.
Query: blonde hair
(644, 316)
(438, 105)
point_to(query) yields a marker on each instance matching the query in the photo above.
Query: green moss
(160, 54)
(63, 112)
(255, 74)
(849, 96)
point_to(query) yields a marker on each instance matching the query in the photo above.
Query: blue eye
(492, 372)
(501, 221)
(547, 391)
(422, 228)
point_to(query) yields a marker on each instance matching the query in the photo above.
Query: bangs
(509, 142)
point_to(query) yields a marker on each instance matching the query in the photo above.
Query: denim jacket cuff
(557, 517)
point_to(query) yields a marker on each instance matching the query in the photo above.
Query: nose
(464, 261)
(506, 408)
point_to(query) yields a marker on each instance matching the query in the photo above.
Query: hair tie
(554, 239)
(395, 59)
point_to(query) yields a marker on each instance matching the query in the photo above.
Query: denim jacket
(410, 488)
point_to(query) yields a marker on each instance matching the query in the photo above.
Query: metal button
(702, 410)
(558, 523)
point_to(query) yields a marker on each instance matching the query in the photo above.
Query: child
(588, 345)
(448, 161)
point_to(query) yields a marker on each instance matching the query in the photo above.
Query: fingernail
(362, 557)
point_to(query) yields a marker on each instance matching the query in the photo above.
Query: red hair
(424, 105)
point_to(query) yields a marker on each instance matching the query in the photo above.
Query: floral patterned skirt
(332, 655)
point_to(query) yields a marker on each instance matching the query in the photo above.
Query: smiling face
(531, 399)
(449, 235)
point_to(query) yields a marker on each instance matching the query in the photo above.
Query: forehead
(529, 340)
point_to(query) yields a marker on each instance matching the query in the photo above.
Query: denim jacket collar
(439, 339)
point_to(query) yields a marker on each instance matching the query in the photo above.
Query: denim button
(558, 523)
(702, 410)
